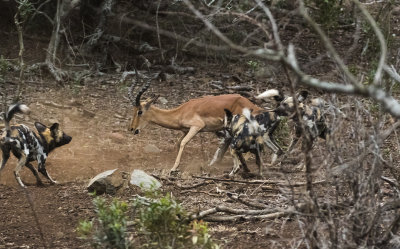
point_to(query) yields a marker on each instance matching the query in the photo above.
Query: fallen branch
(241, 214)
(251, 203)
(280, 183)
(52, 104)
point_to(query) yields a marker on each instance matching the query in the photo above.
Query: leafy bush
(111, 225)
(165, 224)
(159, 222)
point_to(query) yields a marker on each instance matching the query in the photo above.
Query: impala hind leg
(192, 132)
(178, 144)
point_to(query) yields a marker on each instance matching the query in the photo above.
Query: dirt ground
(96, 115)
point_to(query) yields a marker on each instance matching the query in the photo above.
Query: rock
(163, 100)
(106, 182)
(117, 137)
(151, 148)
(143, 180)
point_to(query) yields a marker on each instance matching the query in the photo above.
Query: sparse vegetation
(348, 195)
(156, 223)
(109, 228)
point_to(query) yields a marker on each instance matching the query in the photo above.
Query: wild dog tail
(272, 93)
(12, 110)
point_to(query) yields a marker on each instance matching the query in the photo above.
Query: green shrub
(111, 225)
(158, 222)
(163, 223)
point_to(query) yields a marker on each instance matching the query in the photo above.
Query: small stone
(143, 180)
(117, 137)
(106, 182)
(163, 100)
(151, 148)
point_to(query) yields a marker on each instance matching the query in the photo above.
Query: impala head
(140, 116)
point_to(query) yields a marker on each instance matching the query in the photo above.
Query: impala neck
(165, 118)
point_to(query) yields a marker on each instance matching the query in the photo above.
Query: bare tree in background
(358, 206)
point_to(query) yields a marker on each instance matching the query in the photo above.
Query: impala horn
(140, 93)
(132, 87)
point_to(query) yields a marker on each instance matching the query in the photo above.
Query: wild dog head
(140, 114)
(244, 129)
(53, 136)
(312, 114)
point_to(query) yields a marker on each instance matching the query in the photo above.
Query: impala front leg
(192, 132)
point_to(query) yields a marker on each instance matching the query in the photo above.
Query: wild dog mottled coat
(313, 116)
(28, 145)
(246, 136)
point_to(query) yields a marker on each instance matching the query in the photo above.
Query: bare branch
(382, 59)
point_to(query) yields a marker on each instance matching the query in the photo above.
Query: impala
(205, 114)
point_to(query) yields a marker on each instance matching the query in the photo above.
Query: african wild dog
(246, 136)
(312, 114)
(268, 120)
(28, 145)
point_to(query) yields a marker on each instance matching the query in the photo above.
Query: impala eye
(139, 112)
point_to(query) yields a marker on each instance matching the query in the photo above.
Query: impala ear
(152, 100)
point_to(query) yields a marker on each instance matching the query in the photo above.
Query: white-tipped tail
(246, 112)
(268, 94)
(253, 124)
(21, 108)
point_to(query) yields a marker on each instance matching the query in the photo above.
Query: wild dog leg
(6, 156)
(223, 147)
(42, 169)
(238, 162)
(259, 161)
(20, 164)
(35, 173)
(243, 162)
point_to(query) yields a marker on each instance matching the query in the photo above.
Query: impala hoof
(173, 172)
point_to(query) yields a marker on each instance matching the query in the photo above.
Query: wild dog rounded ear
(40, 127)
(302, 96)
(228, 117)
(54, 126)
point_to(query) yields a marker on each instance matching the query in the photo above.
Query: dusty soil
(96, 115)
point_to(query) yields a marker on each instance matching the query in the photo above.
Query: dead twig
(280, 183)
